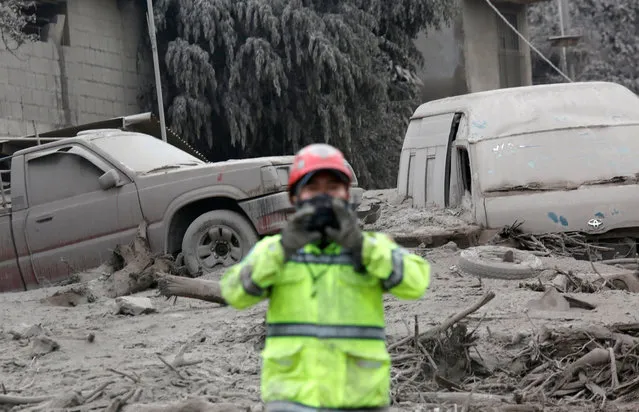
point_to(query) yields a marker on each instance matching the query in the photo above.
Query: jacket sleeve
(403, 274)
(247, 282)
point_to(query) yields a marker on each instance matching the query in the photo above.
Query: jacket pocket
(367, 378)
(283, 371)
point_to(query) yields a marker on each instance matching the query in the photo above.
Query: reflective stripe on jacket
(325, 344)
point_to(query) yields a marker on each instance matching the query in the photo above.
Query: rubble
(200, 354)
(41, 345)
(133, 305)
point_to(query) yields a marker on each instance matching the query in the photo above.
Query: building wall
(464, 57)
(96, 76)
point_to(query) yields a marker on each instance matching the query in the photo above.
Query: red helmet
(316, 157)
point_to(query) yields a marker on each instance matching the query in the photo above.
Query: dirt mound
(397, 216)
(413, 227)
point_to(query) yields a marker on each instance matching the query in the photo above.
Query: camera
(324, 215)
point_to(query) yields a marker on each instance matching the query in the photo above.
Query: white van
(560, 157)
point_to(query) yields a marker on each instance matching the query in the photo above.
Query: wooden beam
(564, 41)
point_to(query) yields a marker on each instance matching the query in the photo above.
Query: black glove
(349, 235)
(295, 235)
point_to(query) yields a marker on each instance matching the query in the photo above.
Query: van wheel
(499, 262)
(217, 238)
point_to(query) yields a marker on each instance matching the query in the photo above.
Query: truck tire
(219, 237)
(488, 262)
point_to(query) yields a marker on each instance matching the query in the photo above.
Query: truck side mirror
(109, 180)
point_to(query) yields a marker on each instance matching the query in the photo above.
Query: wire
(521, 36)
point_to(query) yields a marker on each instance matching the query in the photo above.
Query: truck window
(464, 166)
(60, 175)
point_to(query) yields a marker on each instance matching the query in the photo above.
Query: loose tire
(488, 262)
(219, 237)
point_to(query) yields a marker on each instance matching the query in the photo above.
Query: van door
(423, 162)
(72, 224)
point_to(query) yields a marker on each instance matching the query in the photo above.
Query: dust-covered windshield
(555, 159)
(144, 153)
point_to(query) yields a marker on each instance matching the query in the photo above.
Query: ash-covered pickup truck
(66, 204)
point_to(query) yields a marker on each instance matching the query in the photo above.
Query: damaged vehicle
(67, 203)
(555, 158)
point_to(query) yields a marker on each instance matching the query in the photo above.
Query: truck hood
(236, 172)
(595, 209)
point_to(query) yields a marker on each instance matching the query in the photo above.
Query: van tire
(488, 262)
(229, 235)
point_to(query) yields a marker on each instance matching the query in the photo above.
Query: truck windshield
(144, 153)
(555, 159)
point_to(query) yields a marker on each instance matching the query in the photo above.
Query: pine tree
(266, 77)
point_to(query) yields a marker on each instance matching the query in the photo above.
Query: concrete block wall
(464, 57)
(95, 77)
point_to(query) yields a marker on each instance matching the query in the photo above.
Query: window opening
(409, 180)
(449, 151)
(464, 163)
(511, 58)
(60, 175)
(50, 17)
(5, 182)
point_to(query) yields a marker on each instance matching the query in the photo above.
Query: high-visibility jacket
(325, 343)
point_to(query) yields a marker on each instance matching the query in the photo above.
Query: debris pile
(566, 244)
(599, 364)
(567, 282)
(435, 359)
(412, 227)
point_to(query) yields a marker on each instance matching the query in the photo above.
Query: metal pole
(156, 65)
(561, 8)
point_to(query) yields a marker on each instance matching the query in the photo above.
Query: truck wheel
(219, 237)
(499, 262)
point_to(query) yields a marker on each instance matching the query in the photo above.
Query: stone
(134, 305)
(41, 345)
(26, 331)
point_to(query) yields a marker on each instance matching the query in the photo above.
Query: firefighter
(325, 279)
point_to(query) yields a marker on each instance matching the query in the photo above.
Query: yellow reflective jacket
(325, 344)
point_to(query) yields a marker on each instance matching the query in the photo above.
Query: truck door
(72, 224)
(423, 162)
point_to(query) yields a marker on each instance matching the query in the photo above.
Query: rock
(133, 305)
(560, 282)
(26, 331)
(509, 256)
(71, 297)
(452, 246)
(551, 300)
(547, 275)
(41, 345)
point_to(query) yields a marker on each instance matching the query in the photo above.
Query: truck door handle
(44, 219)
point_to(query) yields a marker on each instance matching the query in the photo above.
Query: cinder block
(16, 110)
(30, 112)
(4, 75)
(11, 127)
(26, 96)
(41, 82)
(17, 78)
(31, 79)
(52, 81)
(5, 109)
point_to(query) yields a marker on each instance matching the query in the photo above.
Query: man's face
(323, 182)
